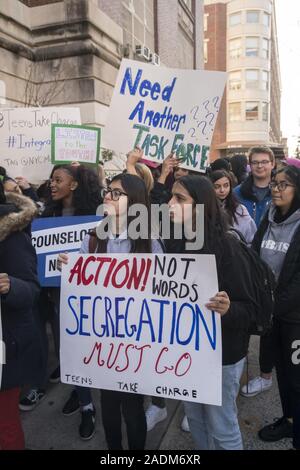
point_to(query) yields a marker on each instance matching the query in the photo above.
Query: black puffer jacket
(18, 260)
(287, 293)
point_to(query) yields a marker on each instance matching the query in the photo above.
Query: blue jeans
(216, 427)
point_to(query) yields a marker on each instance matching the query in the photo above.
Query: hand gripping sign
(164, 111)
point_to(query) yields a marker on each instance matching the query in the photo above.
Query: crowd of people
(250, 201)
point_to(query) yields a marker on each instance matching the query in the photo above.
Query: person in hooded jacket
(278, 242)
(19, 289)
(254, 193)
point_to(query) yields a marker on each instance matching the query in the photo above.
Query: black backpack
(263, 283)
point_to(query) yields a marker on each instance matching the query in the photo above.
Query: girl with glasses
(278, 242)
(124, 191)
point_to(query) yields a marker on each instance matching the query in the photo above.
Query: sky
(288, 31)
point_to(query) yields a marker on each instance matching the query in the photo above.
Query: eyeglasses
(281, 186)
(115, 193)
(262, 163)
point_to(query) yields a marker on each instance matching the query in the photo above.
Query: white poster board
(164, 110)
(25, 139)
(138, 323)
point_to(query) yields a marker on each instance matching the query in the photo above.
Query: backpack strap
(237, 234)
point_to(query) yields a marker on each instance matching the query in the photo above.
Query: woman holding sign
(217, 427)
(124, 191)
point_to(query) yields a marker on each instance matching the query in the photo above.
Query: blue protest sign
(54, 235)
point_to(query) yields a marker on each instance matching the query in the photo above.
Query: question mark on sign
(206, 103)
(211, 118)
(215, 101)
(193, 132)
(203, 126)
(196, 108)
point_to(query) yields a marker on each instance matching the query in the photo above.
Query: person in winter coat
(278, 242)
(254, 193)
(124, 191)
(238, 216)
(217, 427)
(19, 291)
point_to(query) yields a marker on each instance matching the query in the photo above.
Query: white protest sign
(75, 144)
(138, 323)
(25, 139)
(163, 111)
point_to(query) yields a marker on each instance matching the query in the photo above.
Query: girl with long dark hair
(217, 427)
(124, 191)
(74, 190)
(237, 214)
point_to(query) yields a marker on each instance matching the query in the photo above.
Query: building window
(265, 80)
(252, 16)
(251, 111)
(138, 22)
(235, 18)
(205, 22)
(235, 49)
(188, 4)
(252, 46)
(265, 111)
(265, 48)
(266, 19)
(186, 21)
(252, 79)
(234, 110)
(235, 82)
(205, 51)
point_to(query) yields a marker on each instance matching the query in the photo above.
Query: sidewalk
(46, 427)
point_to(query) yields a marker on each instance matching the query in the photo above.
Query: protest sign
(53, 235)
(75, 144)
(164, 110)
(138, 323)
(25, 139)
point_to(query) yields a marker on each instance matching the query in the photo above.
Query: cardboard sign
(75, 144)
(164, 111)
(54, 235)
(138, 323)
(25, 139)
